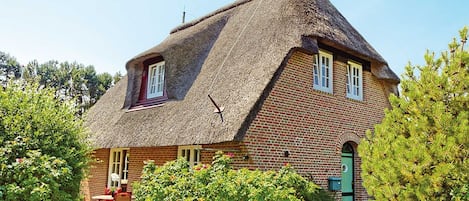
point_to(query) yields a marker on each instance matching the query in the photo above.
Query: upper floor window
(190, 153)
(322, 70)
(354, 81)
(155, 85)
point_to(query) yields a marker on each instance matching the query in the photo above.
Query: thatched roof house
(261, 61)
(231, 54)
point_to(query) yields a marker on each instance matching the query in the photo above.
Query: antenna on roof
(219, 110)
(184, 15)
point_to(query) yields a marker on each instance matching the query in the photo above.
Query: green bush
(43, 153)
(176, 180)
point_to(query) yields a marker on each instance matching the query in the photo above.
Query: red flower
(229, 154)
(286, 164)
(107, 191)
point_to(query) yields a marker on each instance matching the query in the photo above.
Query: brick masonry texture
(97, 180)
(310, 124)
(313, 125)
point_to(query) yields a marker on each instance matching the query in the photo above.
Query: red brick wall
(137, 157)
(313, 125)
(97, 180)
(236, 148)
(99, 171)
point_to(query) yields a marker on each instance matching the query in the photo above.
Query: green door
(347, 172)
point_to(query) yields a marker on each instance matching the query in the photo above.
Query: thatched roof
(231, 54)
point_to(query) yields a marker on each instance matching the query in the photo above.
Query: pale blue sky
(107, 33)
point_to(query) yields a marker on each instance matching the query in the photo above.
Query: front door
(347, 172)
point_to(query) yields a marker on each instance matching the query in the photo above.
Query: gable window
(322, 71)
(155, 83)
(354, 81)
(190, 153)
(118, 166)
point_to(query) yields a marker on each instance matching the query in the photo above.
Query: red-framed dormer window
(153, 89)
(155, 82)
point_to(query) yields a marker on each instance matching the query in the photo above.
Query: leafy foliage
(9, 68)
(70, 80)
(420, 150)
(43, 153)
(219, 182)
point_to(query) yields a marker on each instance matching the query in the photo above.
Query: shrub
(43, 153)
(176, 180)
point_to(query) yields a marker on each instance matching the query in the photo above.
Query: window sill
(149, 103)
(320, 90)
(358, 100)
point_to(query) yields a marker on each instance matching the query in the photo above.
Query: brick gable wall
(313, 125)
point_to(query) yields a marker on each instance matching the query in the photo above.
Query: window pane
(316, 75)
(155, 85)
(196, 157)
(323, 70)
(125, 170)
(348, 79)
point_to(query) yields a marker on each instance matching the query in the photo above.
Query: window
(118, 165)
(322, 70)
(190, 153)
(153, 84)
(354, 81)
(155, 80)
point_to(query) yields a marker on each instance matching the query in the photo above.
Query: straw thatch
(231, 54)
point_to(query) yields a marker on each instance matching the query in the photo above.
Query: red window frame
(142, 98)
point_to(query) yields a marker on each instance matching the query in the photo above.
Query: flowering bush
(43, 153)
(219, 182)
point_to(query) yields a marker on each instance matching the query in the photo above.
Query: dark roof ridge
(198, 20)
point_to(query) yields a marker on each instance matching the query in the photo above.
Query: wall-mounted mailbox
(334, 183)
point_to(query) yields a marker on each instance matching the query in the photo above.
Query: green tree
(74, 81)
(104, 83)
(29, 73)
(70, 80)
(43, 151)
(9, 68)
(117, 77)
(420, 150)
(47, 73)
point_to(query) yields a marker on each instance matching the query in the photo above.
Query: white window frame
(121, 164)
(191, 153)
(323, 65)
(155, 82)
(354, 84)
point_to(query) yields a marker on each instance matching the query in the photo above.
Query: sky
(108, 33)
